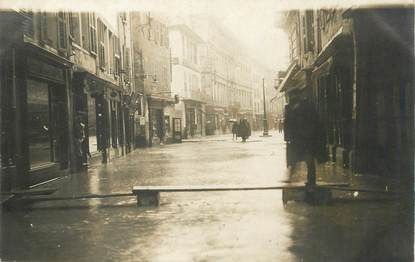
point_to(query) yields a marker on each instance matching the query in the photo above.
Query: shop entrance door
(177, 130)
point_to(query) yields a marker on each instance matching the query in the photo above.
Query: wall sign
(43, 70)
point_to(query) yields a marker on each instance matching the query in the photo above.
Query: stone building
(186, 73)
(64, 89)
(357, 65)
(226, 75)
(152, 77)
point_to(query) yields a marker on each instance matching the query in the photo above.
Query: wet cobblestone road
(202, 226)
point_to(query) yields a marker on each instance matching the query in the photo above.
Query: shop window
(7, 114)
(92, 125)
(114, 124)
(120, 124)
(167, 123)
(39, 129)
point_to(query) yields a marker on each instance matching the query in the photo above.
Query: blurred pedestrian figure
(235, 127)
(244, 129)
(160, 132)
(82, 142)
(280, 126)
(302, 135)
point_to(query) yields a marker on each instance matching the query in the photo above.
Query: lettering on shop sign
(44, 70)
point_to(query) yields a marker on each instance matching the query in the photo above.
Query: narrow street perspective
(212, 131)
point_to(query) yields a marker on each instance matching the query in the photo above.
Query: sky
(251, 21)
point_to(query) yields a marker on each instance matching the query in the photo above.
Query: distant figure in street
(160, 132)
(244, 129)
(302, 136)
(280, 126)
(80, 133)
(235, 128)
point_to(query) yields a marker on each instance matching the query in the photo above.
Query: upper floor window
(28, 23)
(195, 54)
(85, 31)
(111, 52)
(74, 28)
(102, 31)
(310, 30)
(62, 36)
(92, 33)
(117, 56)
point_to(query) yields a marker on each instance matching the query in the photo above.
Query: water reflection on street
(201, 226)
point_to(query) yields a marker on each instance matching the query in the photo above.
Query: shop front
(35, 130)
(332, 80)
(159, 127)
(194, 118)
(99, 119)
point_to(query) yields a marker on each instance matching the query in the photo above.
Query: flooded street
(201, 226)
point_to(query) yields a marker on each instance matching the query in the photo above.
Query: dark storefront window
(8, 115)
(92, 125)
(39, 133)
(114, 124)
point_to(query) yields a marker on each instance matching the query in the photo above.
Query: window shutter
(85, 31)
(43, 27)
(62, 33)
(92, 33)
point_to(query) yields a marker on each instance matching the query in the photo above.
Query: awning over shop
(95, 84)
(344, 33)
(323, 69)
(164, 100)
(295, 79)
(275, 97)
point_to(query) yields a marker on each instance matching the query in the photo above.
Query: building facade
(186, 82)
(36, 98)
(64, 92)
(360, 77)
(152, 78)
(226, 76)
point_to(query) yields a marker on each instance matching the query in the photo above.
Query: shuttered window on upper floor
(101, 44)
(62, 33)
(74, 28)
(92, 22)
